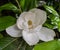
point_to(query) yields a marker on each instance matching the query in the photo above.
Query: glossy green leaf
(9, 6)
(9, 43)
(6, 41)
(51, 45)
(22, 4)
(6, 21)
(24, 46)
(49, 25)
(51, 10)
(55, 21)
(33, 4)
(27, 5)
(59, 26)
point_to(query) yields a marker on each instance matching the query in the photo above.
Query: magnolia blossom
(29, 26)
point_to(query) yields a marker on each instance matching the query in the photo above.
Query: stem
(18, 5)
(20, 45)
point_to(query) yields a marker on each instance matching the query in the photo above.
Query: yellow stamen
(30, 24)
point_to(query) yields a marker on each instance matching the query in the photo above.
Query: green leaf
(22, 4)
(9, 43)
(59, 26)
(29, 47)
(51, 45)
(6, 42)
(27, 5)
(24, 46)
(49, 25)
(1, 36)
(51, 10)
(9, 6)
(6, 21)
(55, 21)
(33, 4)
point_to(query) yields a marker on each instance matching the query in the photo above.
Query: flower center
(30, 24)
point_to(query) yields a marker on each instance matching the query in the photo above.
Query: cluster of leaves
(9, 43)
(53, 20)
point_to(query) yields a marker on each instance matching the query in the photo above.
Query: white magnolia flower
(29, 26)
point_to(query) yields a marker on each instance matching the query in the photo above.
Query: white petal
(46, 34)
(30, 16)
(40, 16)
(20, 21)
(38, 28)
(30, 37)
(13, 31)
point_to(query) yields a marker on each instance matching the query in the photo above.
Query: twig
(18, 5)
